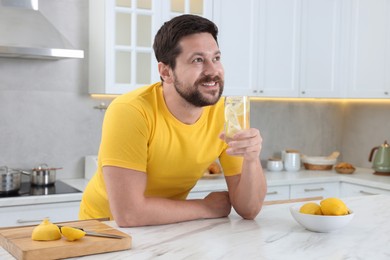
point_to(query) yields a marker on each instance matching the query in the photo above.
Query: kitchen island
(274, 234)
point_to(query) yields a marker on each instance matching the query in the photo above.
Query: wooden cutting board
(17, 241)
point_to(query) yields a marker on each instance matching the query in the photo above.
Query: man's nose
(212, 68)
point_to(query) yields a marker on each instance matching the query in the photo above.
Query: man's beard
(194, 96)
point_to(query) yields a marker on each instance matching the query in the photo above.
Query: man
(158, 140)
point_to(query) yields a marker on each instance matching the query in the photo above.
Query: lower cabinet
(281, 192)
(201, 194)
(307, 190)
(322, 189)
(349, 190)
(34, 214)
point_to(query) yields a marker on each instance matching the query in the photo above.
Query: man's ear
(165, 72)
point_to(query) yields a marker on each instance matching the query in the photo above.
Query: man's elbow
(251, 213)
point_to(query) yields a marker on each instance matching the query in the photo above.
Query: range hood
(26, 33)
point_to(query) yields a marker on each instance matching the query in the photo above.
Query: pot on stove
(42, 175)
(10, 180)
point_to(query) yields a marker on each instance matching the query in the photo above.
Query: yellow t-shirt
(140, 133)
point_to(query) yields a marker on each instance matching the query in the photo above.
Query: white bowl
(320, 223)
(318, 160)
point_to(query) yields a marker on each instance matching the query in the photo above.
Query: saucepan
(10, 180)
(42, 175)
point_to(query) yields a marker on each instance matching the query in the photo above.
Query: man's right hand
(218, 204)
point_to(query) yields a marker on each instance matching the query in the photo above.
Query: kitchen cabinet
(34, 214)
(287, 48)
(321, 48)
(121, 35)
(202, 194)
(281, 192)
(369, 53)
(350, 189)
(305, 48)
(237, 38)
(323, 189)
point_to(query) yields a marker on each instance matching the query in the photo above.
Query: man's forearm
(158, 211)
(250, 192)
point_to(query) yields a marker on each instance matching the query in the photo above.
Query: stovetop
(27, 189)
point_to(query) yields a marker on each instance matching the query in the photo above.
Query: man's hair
(166, 42)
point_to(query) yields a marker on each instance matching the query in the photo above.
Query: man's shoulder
(141, 97)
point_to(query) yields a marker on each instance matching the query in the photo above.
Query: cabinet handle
(315, 189)
(272, 193)
(303, 92)
(386, 93)
(29, 220)
(368, 193)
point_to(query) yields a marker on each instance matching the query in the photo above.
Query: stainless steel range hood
(26, 33)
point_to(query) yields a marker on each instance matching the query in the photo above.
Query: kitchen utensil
(381, 162)
(292, 161)
(274, 164)
(320, 223)
(10, 180)
(17, 241)
(42, 175)
(97, 234)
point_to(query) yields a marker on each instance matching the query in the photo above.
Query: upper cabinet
(270, 48)
(121, 35)
(305, 48)
(368, 70)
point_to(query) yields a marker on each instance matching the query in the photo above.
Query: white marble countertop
(362, 176)
(274, 234)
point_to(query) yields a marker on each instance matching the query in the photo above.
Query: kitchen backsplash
(47, 116)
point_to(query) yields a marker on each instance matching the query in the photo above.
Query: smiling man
(158, 140)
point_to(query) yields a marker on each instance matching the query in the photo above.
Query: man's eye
(196, 60)
(218, 58)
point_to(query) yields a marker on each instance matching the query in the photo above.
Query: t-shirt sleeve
(124, 137)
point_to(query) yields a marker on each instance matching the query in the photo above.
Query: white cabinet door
(369, 52)
(321, 48)
(121, 56)
(278, 193)
(281, 48)
(34, 214)
(278, 45)
(237, 24)
(350, 190)
(325, 189)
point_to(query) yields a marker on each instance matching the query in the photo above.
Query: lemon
(71, 233)
(46, 231)
(334, 206)
(311, 208)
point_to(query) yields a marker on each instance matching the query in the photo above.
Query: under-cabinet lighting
(102, 96)
(338, 100)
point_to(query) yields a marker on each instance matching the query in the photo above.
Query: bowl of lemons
(327, 216)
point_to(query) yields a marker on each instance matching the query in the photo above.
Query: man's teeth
(209, 83)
